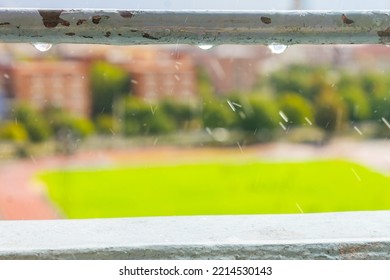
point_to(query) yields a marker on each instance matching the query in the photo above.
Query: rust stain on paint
(51, 18)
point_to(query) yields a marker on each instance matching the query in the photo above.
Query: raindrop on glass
(358, 130)
(283, 115)
(308, 121)
(386, 122)
(205, 47)
(283, 126)
(42, 47)
(277, 48)
(231, 105)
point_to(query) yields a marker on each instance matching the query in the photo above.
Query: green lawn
(216, 188)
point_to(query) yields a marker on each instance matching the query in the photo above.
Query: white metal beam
(125, 27)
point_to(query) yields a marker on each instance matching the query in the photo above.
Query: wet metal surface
(131, 27)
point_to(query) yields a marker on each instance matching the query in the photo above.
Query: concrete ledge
(349, 235)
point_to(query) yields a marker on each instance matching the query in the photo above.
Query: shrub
(77, 126)
(260, 114)
(143, 118)
(356, 102)
(296, 108)
(13, 131)
(330, 111)
(106, 124)
(217, 113)
(37, 127)
(182, 113)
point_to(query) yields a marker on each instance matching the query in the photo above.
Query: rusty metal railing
(129, 27)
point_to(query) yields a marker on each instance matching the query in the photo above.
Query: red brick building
(63, 84)
(155, 74)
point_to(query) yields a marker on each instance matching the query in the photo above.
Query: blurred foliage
(64, 124)
(260, 114)
(217, 113)
(108, 82)
(296, 108)
(145, 118)
(13, 131)
(330, 111)
(184, 114)
(36, 125)
(106, 124)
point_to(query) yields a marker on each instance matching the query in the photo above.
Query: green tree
(356, 101)
(330, 111)
(183, 113)
(141, 118)
(306, 80)
(296, 108)
(260, 114)
(108, 82)
(217, 113)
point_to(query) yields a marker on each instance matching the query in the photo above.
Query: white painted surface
(131, 27)
(350, 235)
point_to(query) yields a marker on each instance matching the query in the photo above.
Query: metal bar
(131, 27)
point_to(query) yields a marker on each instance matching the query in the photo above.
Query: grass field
(215, 188)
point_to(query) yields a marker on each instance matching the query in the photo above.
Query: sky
(202, 4)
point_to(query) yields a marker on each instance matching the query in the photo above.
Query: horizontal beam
(131, 27)
(353, 235)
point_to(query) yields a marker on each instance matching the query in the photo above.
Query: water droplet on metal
(42, 47)
(205, 47)
(277, 48)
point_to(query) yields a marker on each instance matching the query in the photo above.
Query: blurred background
(91, 131)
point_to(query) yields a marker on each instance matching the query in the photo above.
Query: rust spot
(266, 20)
(51, 18)
(126, 14)
(119, 34)
(81, 21)
(108, 34)
(70, 33)
(4, 23)
(346, 20)
(148, 36)
(384, 33)
(97, 19)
